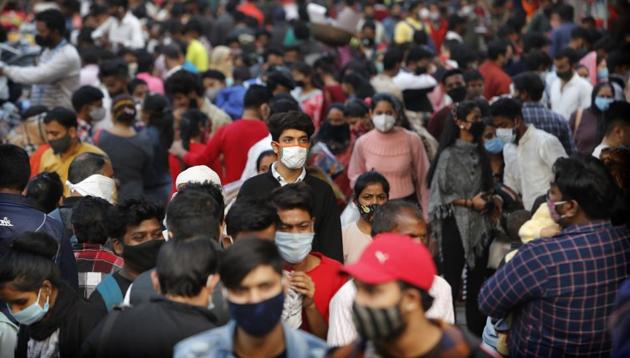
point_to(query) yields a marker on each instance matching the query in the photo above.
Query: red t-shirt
(233, 141)
(496, 81)
(327, 282)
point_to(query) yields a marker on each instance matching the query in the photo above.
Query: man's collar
(276, 175)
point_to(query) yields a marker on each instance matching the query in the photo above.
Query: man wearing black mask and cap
(454, 85)
(137, 236)
(56, 75)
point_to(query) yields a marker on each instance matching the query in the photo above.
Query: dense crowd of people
(283, 178)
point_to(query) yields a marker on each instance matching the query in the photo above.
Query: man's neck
(309, 263)
(289, 175)
(250, 114)
(56, 43)
(199, 300)
(420, 337)
(73, 147)
(270, 345)
(128, 273)
(390, 73)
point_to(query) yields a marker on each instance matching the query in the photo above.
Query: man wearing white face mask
(291, 132)
(181, 312)
(311, 274)
(88, 103)
(529, 153)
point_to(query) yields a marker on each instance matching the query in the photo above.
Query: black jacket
(150, 329)
(327, 225)
(71, 315)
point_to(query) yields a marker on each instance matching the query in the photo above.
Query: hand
(303, 284)
(478, 202)
(177, 149)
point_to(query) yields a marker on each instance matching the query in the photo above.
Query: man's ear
(276, 147)
(72, 131)
(411, 300)
(155, 281)
(573, 208)
(118, 247)
(212, 281)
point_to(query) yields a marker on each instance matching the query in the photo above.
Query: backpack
(110, 292)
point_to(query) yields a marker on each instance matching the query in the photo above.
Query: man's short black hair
(172, 52)
(53, 19)
(385, 216)
(89, 217)
(246, 255)
(45, 189)
(506, 107)
(580, 33)
(472, 75)
(293, 196)
(256, 96)
(450, 73)
(64, 116)
(283, 103)
(534, 41)
(84, 96)
(248, 214)
(131, 212)
(417, 53)
(537, 59)
(113, 68)
(193, 212)
(617, 58)
(279, 78)
(567, 53)
(585, 179)
(618, 113)
(183, 266)
(368, 178)
(214, 74)
(497, 48)
(272, 51)
(392, 58)
(14, 166)
(86, 165)
(193, 25)
(565, 11)
(280, 122)
(530, 83)
(183, 82)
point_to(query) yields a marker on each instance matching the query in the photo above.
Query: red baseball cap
(393, 257)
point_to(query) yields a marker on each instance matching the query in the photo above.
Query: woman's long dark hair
(450, 135)
(160, 117)
(397, 105)
(601, 121)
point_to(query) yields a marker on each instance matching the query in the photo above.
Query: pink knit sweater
(400, 156)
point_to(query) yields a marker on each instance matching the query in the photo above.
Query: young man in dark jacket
(291, 133)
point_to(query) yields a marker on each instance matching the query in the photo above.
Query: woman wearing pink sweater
(393, 151)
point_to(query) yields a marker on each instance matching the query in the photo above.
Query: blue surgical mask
(506, 135)
(603, 103)
(258, 319)
(294, 247)
(33, 313)
(494, 145)
(602, 74)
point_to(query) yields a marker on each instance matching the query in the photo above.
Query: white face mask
(506, 135)
(384, 122)
(98, 114)
(95, 185)
(293, 157)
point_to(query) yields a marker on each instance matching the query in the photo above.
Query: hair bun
(35, 243)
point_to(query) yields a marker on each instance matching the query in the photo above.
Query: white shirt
(341, 330)
(281, 180)
(597, 152)
(574, 95)
(253, 153)
(528, 165)
(55, 77)
(125, 33)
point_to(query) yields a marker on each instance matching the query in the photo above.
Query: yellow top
(403, 32)
(51, 162)
(197, 55)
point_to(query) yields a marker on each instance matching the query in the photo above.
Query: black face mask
(42, 41)
(59, 146)
(420, 70)
(476, 129)
(142, 257)
(299, 83)
(457, 94)
(565, 75)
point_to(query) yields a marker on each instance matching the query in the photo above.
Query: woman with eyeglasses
(461, 200)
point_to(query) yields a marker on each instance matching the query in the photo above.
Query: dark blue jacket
(19, 215)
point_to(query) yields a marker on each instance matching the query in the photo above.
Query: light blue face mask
(494, 145)
(294, 247)
(32, 313)
(506, 135)
(603, 103)
(602, 74)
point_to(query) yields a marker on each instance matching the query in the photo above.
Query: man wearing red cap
(393, 277)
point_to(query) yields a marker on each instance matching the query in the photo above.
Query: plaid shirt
(550, 122)
(561, 291)
(84, 131)
(93, 263)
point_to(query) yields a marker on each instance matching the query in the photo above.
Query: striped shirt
(561, 291)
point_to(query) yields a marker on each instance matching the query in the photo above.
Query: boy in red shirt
(312, 276)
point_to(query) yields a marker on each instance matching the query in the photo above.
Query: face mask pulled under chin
(95, 185)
